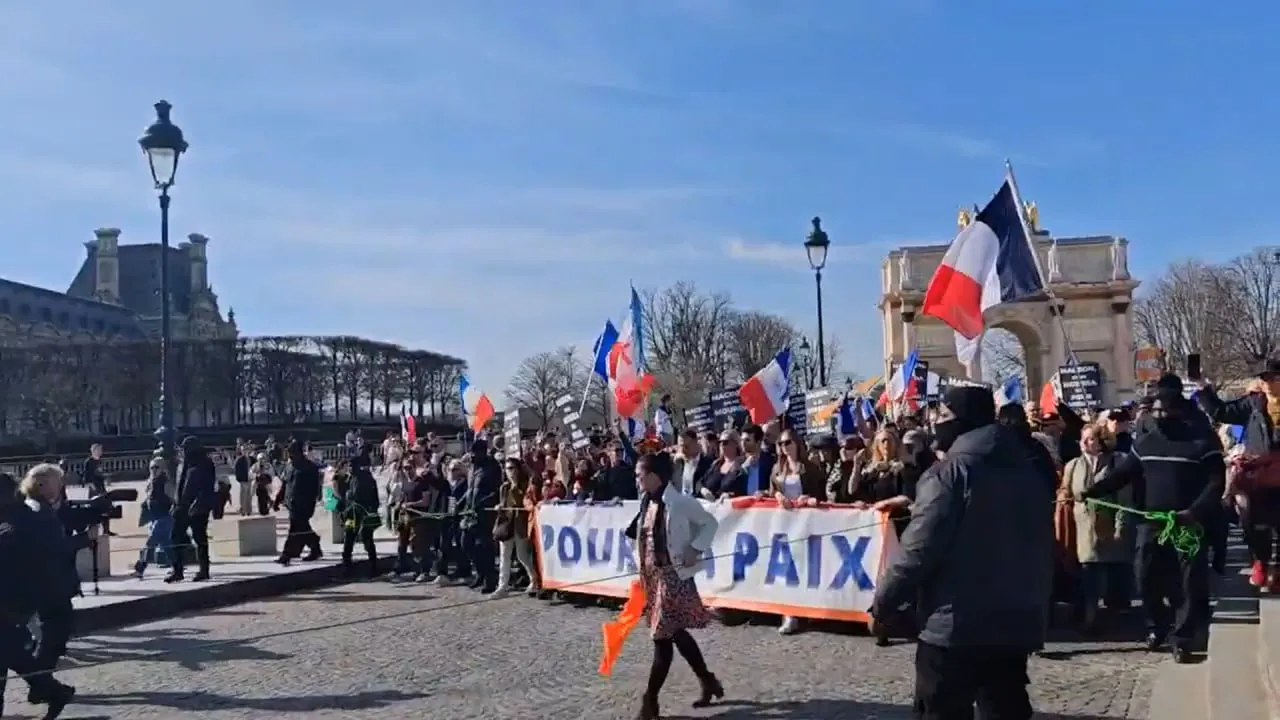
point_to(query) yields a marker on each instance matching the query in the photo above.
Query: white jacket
(689, 525)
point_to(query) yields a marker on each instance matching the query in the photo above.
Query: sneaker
(444, 581)
(500, 592)
(1258, 576)
(789, 626)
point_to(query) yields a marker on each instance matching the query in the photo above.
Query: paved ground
(378, 650)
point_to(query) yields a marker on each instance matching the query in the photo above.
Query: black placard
(699, 418)
(568, 406)
(820, 421)
(797, 416)
(727, 409)
(1081, 386)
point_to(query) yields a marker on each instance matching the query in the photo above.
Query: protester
(21, 596)
(1176, 469)
(477, 508)
(53, 561)
(980, 513)
(194, 500)
(421, 545)
(301, 492)
(358, 509)
(757, 461)
(1100, 545)
(261, 475)
(156, 514)
(1255, 473)
(726, 476)
(513, 529)
(796, 482)
(672, 532)
(692, 465)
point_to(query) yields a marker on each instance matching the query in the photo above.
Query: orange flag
(616, 631)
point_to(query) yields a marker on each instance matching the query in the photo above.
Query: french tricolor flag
(475, 405)
(768, 392)
(990, 262)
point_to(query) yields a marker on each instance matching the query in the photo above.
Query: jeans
(521, 549)
(157, 549)
(198, 528)
(1102, 581)
(417, 548)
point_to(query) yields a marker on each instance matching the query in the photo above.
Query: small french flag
(475, 405)
(768, 392)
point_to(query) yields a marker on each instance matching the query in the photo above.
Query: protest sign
(820, 410)
(511, 429)
(814, 563)
(570, 418)
(797, 416)
(1081, 386)
(699, 418)
(727, 409)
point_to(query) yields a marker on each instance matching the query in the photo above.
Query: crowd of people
(996, 511)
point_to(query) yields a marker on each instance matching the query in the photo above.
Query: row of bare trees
(694, 342)
(93, 387)
(1229, 313)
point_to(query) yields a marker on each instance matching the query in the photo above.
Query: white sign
(814, 563)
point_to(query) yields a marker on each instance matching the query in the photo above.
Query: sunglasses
(786, 441)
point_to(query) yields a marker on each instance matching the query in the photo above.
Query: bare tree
(1194, 307)
(540, 381)
(753, 339)
(1256, 286)
(1002, 356)
(686, 345)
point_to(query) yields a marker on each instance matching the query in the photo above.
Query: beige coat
(1099, 537)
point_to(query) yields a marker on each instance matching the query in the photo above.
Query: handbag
(504, 528)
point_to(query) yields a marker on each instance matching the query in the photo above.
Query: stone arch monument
(1092, 290)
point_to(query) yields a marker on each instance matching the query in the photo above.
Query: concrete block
(336, 530)
(256, 536)
(84, 560)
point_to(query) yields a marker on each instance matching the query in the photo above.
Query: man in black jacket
(359, 509)
(196, 492)
(21, 596)
(478, 516)
(974, 558)
(301, 493)
(1174, 467)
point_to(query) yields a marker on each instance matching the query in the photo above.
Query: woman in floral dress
(673, 531)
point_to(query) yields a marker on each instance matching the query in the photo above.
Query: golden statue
(964, 219)
(1033, 216)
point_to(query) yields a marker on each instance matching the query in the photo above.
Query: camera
(83, 514)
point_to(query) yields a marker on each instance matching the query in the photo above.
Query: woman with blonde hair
(157, 504)
(1100, 545)
(43, 489)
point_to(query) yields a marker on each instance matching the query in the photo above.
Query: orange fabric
(616, 631)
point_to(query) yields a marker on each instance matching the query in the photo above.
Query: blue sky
(483, 177)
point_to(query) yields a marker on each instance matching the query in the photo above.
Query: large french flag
(990, 262)
(475, 405)
(627, 376)
(768, 392)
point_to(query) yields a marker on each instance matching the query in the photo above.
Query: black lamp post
(816, 247)
(805, 352)
(163, 145)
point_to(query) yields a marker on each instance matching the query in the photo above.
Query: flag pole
(1035, 255)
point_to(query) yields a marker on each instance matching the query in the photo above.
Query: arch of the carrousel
(1088, 315)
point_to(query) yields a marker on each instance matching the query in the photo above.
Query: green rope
(1186, 540)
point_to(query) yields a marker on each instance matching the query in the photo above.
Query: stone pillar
(197, 252)
(1122, 358)
(1057, 350)
(107, 244)
(908, 316)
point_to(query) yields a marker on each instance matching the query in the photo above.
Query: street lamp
(163, 145)
(805, 352)
(816, 246)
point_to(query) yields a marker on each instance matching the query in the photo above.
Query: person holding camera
(20, 598)
(197, 492)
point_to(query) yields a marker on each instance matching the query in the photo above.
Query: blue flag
(604, 344)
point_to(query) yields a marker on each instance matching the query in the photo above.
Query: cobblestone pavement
(379, 650)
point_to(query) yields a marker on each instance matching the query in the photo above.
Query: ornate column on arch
(908, 316)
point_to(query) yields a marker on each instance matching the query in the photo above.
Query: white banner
(815, 563)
